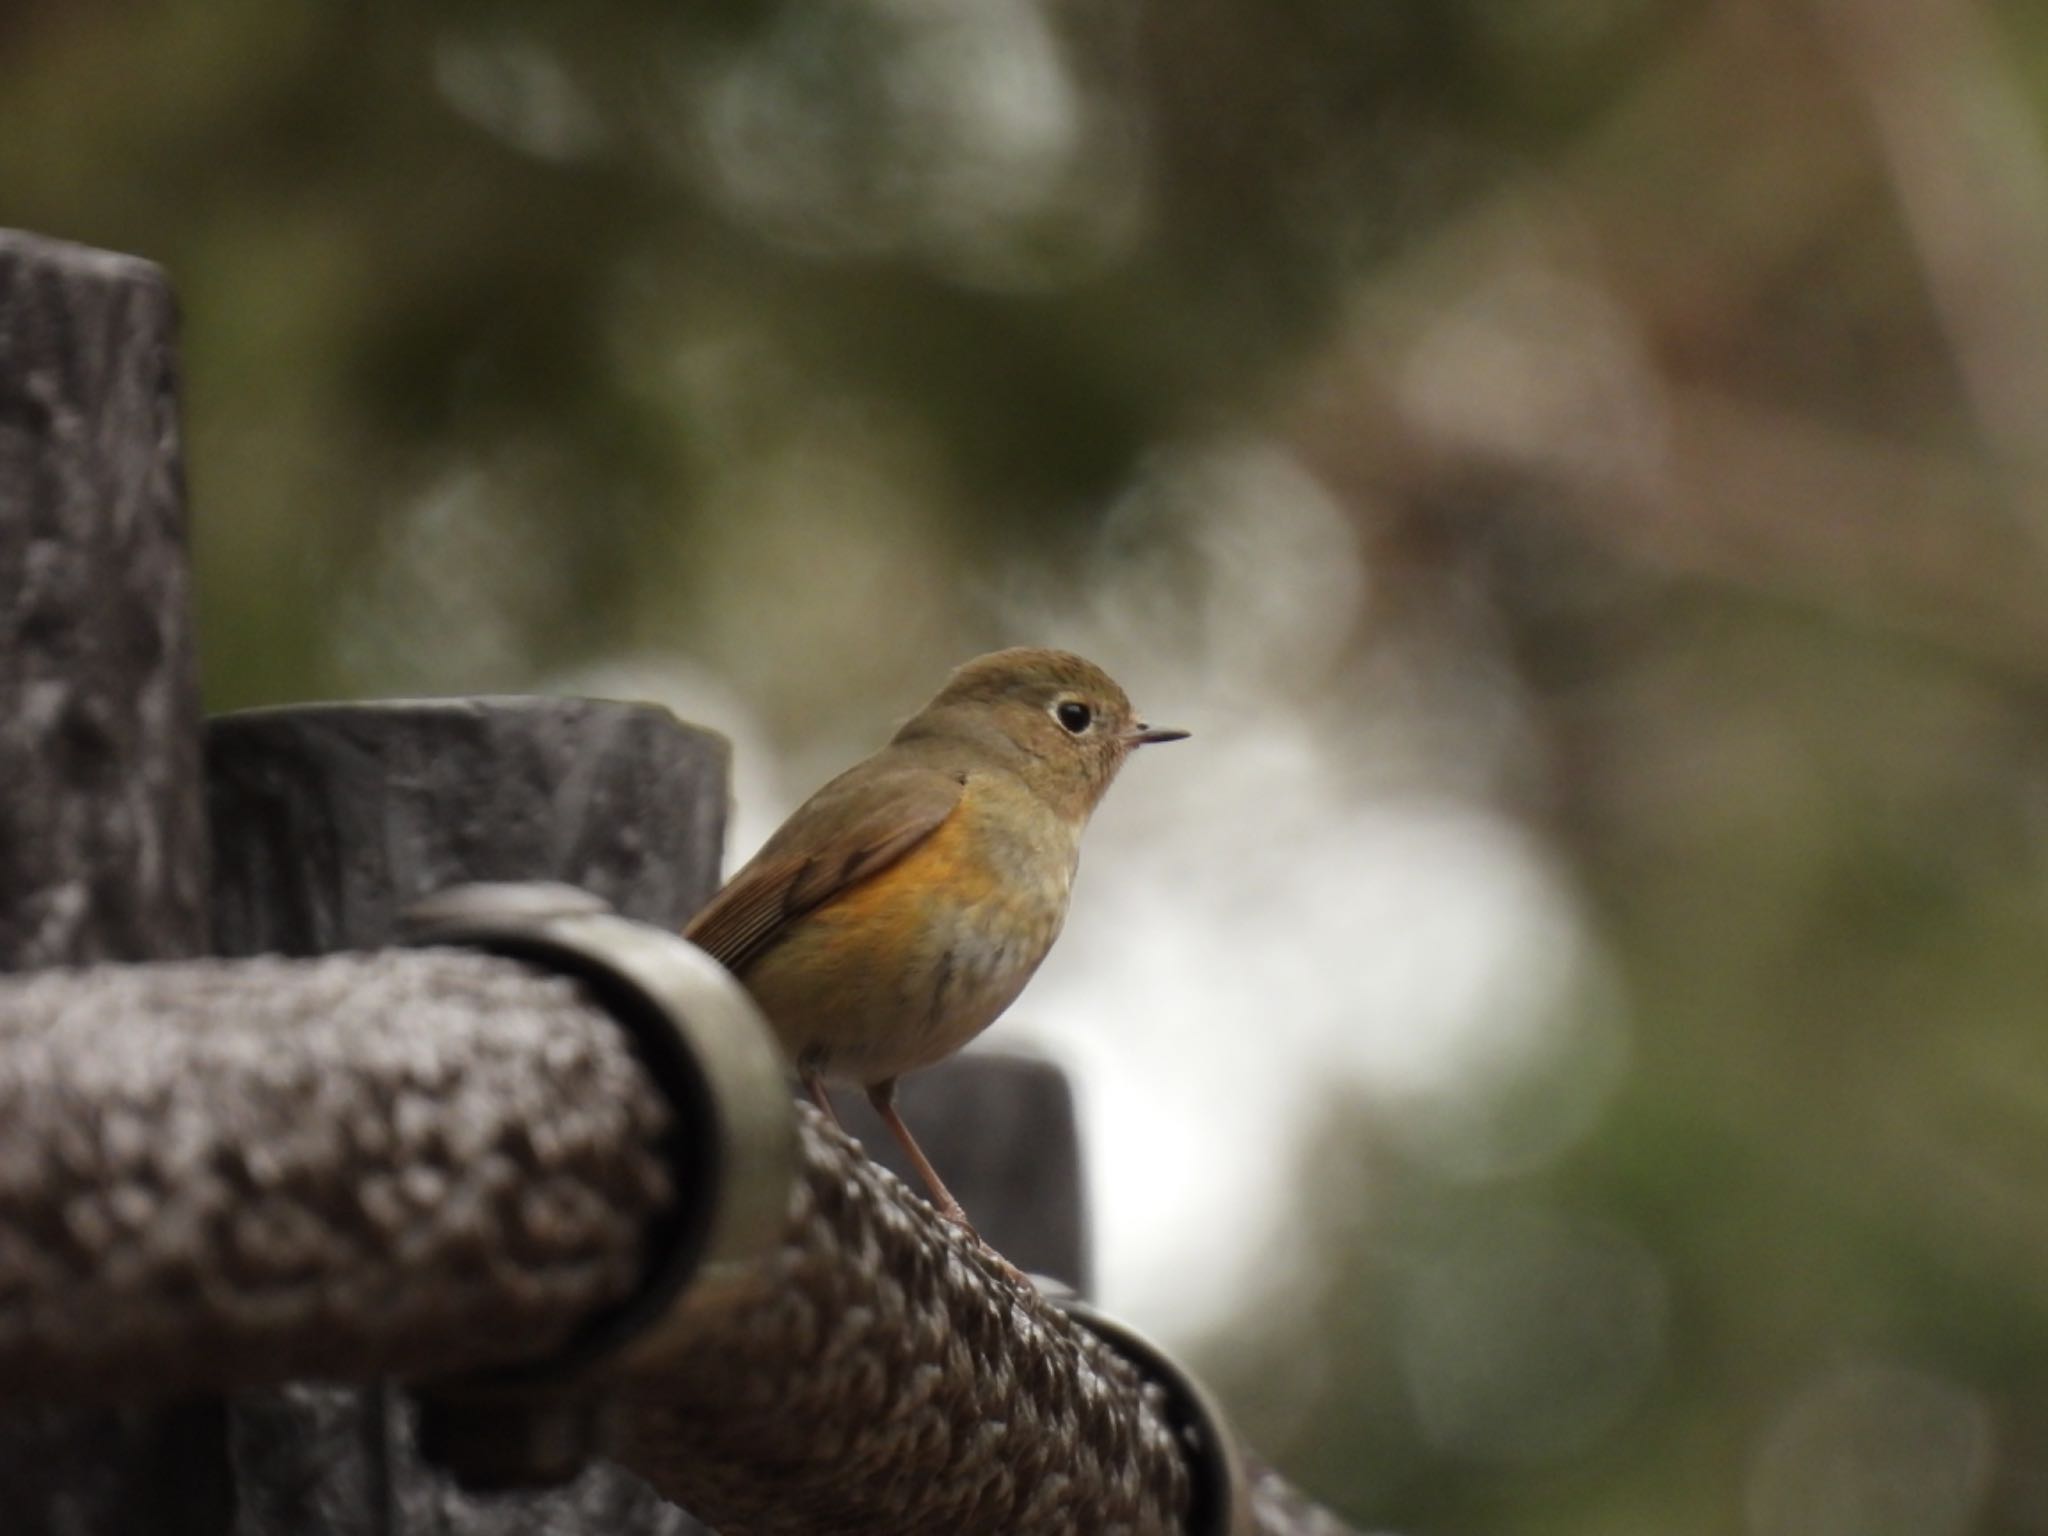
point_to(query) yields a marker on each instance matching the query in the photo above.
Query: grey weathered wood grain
(102, 838)
(102, 851)
(329, 818)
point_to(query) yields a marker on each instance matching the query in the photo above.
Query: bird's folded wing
(851, 829)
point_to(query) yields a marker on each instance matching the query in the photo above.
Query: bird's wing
(849, 830)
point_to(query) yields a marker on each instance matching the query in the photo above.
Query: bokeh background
(1563, 1048)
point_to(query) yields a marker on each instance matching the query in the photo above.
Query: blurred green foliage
(1680, 365)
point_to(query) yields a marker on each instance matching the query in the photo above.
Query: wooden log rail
(222, 1175)
(218, 1175)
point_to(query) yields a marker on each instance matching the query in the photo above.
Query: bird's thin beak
(1143, 735)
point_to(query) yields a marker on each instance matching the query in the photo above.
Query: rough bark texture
(102, 842)
(219, 1174)
(102, 846)
(891, 1377)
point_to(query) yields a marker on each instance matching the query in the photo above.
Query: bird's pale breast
(904, 968)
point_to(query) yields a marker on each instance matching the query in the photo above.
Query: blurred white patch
(1873, 1450)
(1249, 948)
(1515, 1094)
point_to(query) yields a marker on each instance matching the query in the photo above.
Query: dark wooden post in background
(328, 819)
(102, 833)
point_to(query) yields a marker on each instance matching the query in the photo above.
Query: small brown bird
(905, 904)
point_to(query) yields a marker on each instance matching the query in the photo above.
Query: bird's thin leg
(883, 1096)
(814, 1085)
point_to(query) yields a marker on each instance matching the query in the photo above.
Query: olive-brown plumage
(903, 906)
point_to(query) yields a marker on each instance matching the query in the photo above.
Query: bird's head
(1056, 719)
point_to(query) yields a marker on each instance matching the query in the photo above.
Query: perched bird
(904, 905)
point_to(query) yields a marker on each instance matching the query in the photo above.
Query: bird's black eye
(1073, 716)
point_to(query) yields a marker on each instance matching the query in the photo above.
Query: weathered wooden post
(327, 821)
(102, 831)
